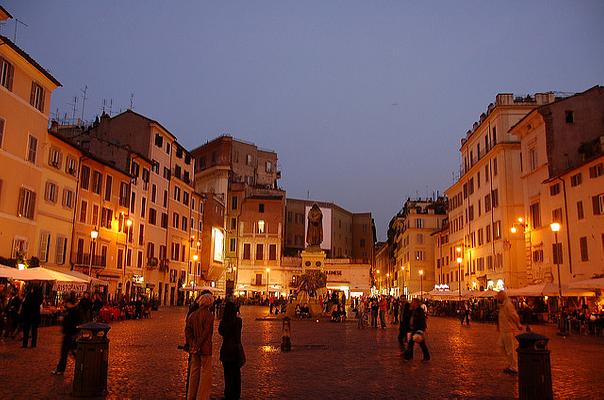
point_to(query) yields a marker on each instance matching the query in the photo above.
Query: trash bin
(534, 368)
(92, 360)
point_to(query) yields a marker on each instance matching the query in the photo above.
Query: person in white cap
(198, 332)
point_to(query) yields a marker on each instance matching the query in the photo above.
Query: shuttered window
(44, 246)
(27, 203)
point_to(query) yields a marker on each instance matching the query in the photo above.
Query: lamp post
(388, 282)
(459, 259)
(128, 227)
(403, 272)
(93, 235)
(195, 258)
(268, 270)
(377, 271)
(555, 227)
(421, 283)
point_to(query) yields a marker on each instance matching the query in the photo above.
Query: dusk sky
(365, 102)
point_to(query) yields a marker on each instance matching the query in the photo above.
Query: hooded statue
(314, 232)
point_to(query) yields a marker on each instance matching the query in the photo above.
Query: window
(106, 217)
(261, 227)
(272, 252)
(68, 197)
(165, 203)
(152, 216)
(36, 97)
(108, 183)
(175, 219)
(569, 117)
(164, 220)
(234, 203)
(488, 231)
(269, 167)
(175, 251)
(155, 167)
(44, 246)
(557, 253)
(159, 140)
(167, 173)
(185, 221)
(487, 203)
(598, 204)
(557, 215)
(97, 182)
(246, 251)
(55, 157)
(27, 203)
(486, 173)
(494, 166)
(471, 213)
(480, 237)
(85, 177)
(135, 169)
(576, 179)
(150, 250)
(2, 123)
(185, 198)
(7, 72)
(233, 244)
(248, 159)
(132, 202)
(533, 159)
(535, 215)
(259, 251)
(95, 214)
(583, 247)
(580, 214)
(124, 194)
(419, 223)
(176, 193)
(495, 198)
(261, 207)
(419, 255)
(60, 250)
(233, 223)
(50, 193)
(168, 147)
(70, 165)
(120, 258)
(32, 149)
(538, 256)
(83, 211)
(554, 189)
(143, 206)
(596, 171)
(497, 230)
(419, 239)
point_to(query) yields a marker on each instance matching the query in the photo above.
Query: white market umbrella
(45, 274)
(596, 283)
(547, 289)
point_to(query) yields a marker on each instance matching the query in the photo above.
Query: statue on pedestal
(314, 232)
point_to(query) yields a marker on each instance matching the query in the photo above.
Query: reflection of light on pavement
(269, 349)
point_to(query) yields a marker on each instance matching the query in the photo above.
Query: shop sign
(334, 272)
(69, 287)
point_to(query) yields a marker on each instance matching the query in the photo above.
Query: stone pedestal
(313, 259)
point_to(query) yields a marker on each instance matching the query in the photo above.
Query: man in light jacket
(198, 332)
(507, 322)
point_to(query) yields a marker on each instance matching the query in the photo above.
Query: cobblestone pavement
(328, 360)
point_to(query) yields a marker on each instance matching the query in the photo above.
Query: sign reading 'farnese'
(334, 272)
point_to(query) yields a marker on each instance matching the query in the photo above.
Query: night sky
(364, 101)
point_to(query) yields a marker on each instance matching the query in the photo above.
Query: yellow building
(486, 199)
(562, 181)
(57, 201)
(25, 91)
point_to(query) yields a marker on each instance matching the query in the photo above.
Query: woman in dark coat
(405, 325)
(231, 352)
(30, 315)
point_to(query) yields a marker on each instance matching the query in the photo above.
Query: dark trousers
(395, 317)
(374, 319)
(465, 316)
(232, 380)
(422, 344)
(33, 327)
(66, 346)
(402, 336)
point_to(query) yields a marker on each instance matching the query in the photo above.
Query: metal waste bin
(92, 360)
(534, 368)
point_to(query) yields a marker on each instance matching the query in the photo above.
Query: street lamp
(459, 261)
(195, 258)
(377, 271)
(93, 235)
(421, 283)
(388, 282)
(555, 227)
(268, 270)
(128, 226)
(403, 272)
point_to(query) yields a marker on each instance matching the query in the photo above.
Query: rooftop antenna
(17, 22)
(84, 100)
(74, 104)
(131, 101)
(308, 195)
(104, 104)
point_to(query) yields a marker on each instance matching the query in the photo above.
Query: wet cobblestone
(328, 360)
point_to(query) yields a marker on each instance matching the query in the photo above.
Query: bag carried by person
(242, 359)
(418, 336)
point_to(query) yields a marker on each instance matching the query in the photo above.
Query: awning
(547, 289)
(89, 279)
(446, 294)
(596, 283)
(45, 274)
(200, 289)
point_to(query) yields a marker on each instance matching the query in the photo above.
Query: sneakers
(510, 371)
(55, 372)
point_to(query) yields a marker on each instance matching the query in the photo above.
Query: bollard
(286, 343)
(534, 368)
(92, 360)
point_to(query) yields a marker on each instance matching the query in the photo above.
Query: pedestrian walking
(383, 306)
(405, 325)
(361, 314)
(418, 329)
(374, 312)
(231, 351)
(507, 322)
(30, 315)
(71, 320)
(395, 311)
(198, 332)
(12, 315)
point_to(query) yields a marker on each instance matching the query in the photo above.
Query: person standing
(507, 322)
(30, 315)
(465, 313)
(12, 315)
(395, 306)
(374, 312)
(418, 329)
(361, 310)
(71, 319)
(231, 351)
(198, 332)
(405, 325)
(383, 308)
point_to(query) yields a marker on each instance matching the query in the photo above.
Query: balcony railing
(84, 259)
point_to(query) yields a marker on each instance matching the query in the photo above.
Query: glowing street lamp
(555, 227)
(268, 270)
(459, 261)
(94, 234)
(421, 283)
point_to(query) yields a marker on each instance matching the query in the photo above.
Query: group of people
(199, 329)
(20, 313)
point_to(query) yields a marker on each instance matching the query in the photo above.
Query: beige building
(411, 229)
(25, 91)
(562, 180)
(486, 199)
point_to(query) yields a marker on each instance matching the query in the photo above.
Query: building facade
(486, 199)
(561, 175)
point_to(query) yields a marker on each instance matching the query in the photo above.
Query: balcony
(84, 259)
(164, 265)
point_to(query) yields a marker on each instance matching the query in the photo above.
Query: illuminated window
(261, 226)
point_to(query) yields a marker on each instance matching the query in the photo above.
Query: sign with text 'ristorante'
(69, 287)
